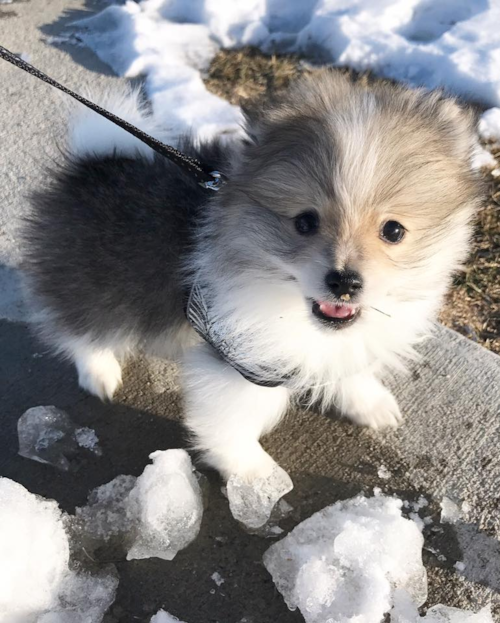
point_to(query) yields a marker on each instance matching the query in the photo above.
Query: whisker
(381, 312)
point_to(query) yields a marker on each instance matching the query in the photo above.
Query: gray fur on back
(104, 243)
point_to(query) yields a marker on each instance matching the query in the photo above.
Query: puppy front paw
(100, 375)
(383, 412)
(364, 400)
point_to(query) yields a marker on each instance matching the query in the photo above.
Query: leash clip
(215, 184)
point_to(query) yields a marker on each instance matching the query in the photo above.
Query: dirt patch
(473, 305)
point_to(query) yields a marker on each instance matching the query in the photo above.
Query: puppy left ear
(459, 124)
(253, 115)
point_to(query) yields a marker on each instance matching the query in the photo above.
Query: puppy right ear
(459, 123)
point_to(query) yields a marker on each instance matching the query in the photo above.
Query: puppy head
(362, 196)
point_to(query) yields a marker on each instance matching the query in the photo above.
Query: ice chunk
(345, 562)
(405, 611)
(444, 614)
(420, 503)
(83, 598)
(86, 438)
(450, 511)
(107, 514)
(217, 578)
(48, 435)
(36, 582)
(157, 514)
(34, 551)
(384, 473)
(164, 617)
(167, 505)
(252, 502)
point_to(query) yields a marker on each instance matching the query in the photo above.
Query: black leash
(205, 176)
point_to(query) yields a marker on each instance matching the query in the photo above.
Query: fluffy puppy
(317, 266)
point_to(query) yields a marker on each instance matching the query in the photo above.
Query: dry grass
(473, 305)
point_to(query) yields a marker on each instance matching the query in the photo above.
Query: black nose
(344, 282)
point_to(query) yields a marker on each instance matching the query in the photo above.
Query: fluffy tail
(89, 134)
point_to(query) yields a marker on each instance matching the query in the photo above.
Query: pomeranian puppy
(312, 272)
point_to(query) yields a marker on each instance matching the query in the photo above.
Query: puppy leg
(364, 400)
(99, 372)
(227, 415)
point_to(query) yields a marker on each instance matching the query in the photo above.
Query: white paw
(382, 413)
(249, 461)
(100, 374)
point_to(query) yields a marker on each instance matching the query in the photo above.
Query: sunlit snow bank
(453, 44)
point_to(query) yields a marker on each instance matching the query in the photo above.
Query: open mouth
(335, 314)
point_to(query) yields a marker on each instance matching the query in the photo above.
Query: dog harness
(203, 321)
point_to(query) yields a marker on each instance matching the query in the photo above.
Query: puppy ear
(459, 124)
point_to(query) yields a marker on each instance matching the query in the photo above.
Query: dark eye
(392, 232)
(307, 223)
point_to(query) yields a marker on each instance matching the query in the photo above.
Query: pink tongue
(336, 311)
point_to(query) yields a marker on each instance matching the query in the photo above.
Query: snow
(384, 473)
(450, 511)
(453, 44)
(164, 617)
(217, 578)
(252, 502)
(167, 505)
(406, 612)
(36, 581)
(136, 39)
(444, 614)
(86, 438)
(48, 435)
(489, 125)
(344, 563)
(356, 561)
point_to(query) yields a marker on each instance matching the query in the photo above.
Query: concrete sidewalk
(447, 446)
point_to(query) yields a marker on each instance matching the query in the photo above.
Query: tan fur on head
(357, 156)
(360, 156)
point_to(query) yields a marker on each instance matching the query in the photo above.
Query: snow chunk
(167, 506)
(34, 550)
(344, 563)
(36, 583)
(420, 503)
(444, 614)
(450, 512)
(157, 514)
(217, 578)
(252, 503)
(489, 125)
(406, 612)
(48, 435)
(86, 438)
(384, 473)
(164, 617)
